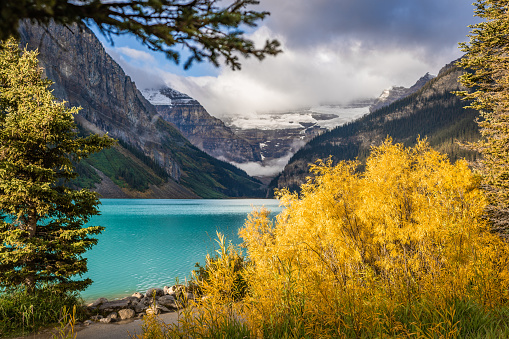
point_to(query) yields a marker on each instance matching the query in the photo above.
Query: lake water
(152, 242)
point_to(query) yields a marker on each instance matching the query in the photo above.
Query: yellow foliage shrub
(216, 312)
(395, 252)
(354, 249)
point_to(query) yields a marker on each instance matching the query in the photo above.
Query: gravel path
(118, 330)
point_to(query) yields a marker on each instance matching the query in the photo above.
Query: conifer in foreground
(486, 59)
(42, 237)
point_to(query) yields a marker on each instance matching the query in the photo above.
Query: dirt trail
(118, 330)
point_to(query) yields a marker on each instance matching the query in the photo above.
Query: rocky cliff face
(204, 131)
(278, 143)
(85, 75)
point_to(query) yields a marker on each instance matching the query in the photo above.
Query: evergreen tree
(42, 238)
(208, 31)
(487, 62)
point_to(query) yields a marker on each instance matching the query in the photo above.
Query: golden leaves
(409, 228)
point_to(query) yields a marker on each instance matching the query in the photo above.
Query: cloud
(267, 169)
(334, 51)
(434, 24)
(327, 73)
(135, 54)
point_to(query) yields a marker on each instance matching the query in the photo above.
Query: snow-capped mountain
(204, 131)
(395, 93)
(261, 144)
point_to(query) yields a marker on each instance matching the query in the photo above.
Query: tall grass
(22, 313)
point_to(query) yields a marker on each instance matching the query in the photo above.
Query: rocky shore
(153, 301)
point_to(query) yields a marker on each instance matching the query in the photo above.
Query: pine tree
(487, 63)
(42, 237)
(208, 29)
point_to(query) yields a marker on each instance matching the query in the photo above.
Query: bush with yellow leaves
(401, 250)
(358, 253)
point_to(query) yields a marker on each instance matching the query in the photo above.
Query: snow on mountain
(271, 121)
(155, 97)
(395, 93)
(165, 96)
(322, 116)
(341, 113)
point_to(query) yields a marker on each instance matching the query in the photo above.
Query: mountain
(432, 111)
(262, 143)
(204, 131)
(396, 93)
(280, 134)
(153, 159)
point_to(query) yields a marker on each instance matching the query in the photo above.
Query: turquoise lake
(152, 242)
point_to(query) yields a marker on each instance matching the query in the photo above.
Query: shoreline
(123, 318)
(153, 301)
(120, 330)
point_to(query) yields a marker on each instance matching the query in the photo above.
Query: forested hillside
(433, 112)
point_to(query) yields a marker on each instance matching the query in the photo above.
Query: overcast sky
(334, 51)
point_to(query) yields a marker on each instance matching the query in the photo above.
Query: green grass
(122, 170)
(22, 313)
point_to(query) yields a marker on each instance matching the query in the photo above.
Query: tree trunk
(31, 227)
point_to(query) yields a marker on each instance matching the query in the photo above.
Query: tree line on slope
(442, 118)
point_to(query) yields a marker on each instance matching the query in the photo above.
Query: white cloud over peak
(334, 51)
(135, 54)
(330, 73)
(269, 169)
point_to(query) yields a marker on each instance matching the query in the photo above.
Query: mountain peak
(395, 93)
(155, 97)
(165, 96)
(421, 82)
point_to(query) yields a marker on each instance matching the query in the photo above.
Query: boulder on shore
(154, 301)
(114, 305)
(168, 301)
(158, 292)
(98, 302)
(126, 313)
(137, 295)
(105, 320)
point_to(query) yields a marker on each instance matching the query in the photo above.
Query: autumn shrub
(217, 310)
(226, 257)
(401, 250)
(391, 250)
